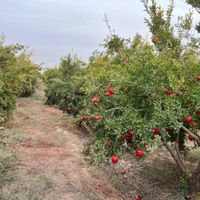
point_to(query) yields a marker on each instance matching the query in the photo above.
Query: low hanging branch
(197, 139)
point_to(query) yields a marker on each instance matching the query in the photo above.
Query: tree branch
(178, 151)
(116, 108)
(197, 139)
(175, 157)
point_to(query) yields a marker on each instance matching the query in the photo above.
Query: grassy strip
(7, 162)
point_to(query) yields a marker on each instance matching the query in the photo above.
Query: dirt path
(51, 165)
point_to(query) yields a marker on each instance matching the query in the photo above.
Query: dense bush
(17, 77)
(61, 88)
(137, 96)
(149, 91)
(28, 73)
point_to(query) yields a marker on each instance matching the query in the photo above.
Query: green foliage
(28, 73)
(196, 5)
(139, 102)
(167, 38)
(140, 78)
(114, 44)
(17, 77)
(61, 89)
(159, 24)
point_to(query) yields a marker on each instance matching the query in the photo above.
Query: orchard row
(18, 77)
(125, 100)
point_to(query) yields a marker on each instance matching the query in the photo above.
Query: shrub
(61, 89)
(28, 73)
(138, 96)
(17, 77)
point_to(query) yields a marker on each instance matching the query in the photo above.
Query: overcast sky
(53, 28)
